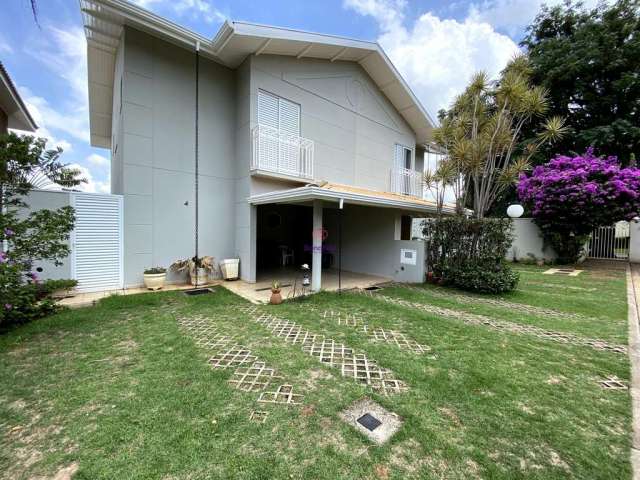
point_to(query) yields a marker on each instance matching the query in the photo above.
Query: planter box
(229, 268)
(200, 278)
(154, 281)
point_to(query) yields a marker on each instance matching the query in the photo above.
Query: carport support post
(316, 263)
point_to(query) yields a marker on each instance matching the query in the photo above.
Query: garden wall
(528, 241)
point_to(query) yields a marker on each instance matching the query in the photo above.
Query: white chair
(287, 255)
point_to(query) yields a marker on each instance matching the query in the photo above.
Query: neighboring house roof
(353, 195)
(11, 103)
(105, 19)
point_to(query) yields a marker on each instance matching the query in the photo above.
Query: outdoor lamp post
(515, 211)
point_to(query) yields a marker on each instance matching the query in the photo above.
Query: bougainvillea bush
(570, 196)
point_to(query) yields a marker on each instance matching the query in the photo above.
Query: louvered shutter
(289, 125)
(268, 117)
(97, 242)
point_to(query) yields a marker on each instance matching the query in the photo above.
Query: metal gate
(610, 242)
(96, 242)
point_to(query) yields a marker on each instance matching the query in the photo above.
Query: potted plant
(199, 268)
(276, 298)
(155, 277)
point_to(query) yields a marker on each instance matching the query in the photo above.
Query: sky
(436, 45)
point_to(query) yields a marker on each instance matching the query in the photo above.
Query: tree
(589, 61)
(27, 237)
(570, 196)
(482, 130)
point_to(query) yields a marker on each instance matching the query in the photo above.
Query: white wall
(369, 245)
(156, 154)
(528, 240)
(353, 125)
(50, 200)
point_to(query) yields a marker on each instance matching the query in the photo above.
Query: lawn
(122, 390)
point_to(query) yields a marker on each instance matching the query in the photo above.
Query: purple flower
(9, 233)
(3, 257)
(8, 306)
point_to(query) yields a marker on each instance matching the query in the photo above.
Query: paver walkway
(476, 319)
(495, 302)
(633, 299)
(334, 354)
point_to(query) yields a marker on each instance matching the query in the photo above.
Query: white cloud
(436, 56)
(64, 58)
(512, 16)
(98, 160)
(92, 185)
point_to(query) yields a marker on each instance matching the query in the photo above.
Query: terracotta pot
(276, 298)
(154, 281)
(429, 277)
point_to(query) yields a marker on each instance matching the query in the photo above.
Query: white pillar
(316, 264)
(634, 242)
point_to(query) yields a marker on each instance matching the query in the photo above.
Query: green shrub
(470, 276)
(470, 253)
(25, 299)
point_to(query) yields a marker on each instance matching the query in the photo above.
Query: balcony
(280, 153)
(406, 182)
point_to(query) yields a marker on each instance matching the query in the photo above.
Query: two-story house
(268, 144)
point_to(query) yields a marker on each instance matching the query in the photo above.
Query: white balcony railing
(283, 153)
(407, 182)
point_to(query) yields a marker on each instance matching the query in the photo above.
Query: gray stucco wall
(50, 200)
(354, 126)
(157, 127)
(369, 245)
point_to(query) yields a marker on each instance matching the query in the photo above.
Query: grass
(120, 391)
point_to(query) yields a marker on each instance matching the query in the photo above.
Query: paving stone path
(495, 302)
(337, 355)
(476, 319)
(377, 334)
(250, 374)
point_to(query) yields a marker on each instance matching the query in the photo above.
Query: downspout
(340, 246)
(197, 199)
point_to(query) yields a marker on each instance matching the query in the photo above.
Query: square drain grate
(372, 420)
(369, 422)
(198, 291)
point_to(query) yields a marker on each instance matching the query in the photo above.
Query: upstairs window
(278, 113)
(403, 157)
(279, 140)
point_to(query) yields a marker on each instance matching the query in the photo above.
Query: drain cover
(198, 291)
(369, 422)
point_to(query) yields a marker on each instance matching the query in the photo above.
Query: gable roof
(104, 21)
(11, 103)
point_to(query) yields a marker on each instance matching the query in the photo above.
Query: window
(278, 113)
(403, 157)
(405, 227)
(278, 150)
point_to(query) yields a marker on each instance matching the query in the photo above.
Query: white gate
(610, 242)
(96, 242)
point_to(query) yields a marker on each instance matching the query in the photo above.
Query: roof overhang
(309, 193)
(11, 103)
(104, 21)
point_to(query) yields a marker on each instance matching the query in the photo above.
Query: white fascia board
(303, 194)
(281, 33)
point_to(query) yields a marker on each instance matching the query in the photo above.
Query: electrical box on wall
(408, 256)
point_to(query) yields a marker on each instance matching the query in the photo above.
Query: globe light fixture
(515, 211)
